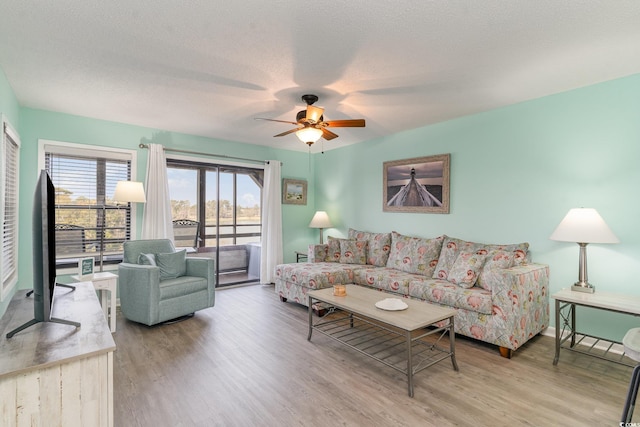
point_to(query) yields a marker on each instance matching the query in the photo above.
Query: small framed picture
(85, 268)
(294, 192)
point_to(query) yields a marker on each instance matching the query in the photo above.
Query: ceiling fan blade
(287, 132)
(355, 123)
(328, 135)
(273, 120)
(314, 113)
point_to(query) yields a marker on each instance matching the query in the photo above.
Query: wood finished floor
(247, 362)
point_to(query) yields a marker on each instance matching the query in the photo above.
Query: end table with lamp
(125, 192)
(584, 226)
(320, 220)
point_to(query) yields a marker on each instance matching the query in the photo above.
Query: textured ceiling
(210, 67)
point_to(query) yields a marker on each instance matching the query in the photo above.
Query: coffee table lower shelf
(405, 351)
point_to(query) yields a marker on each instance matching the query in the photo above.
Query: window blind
(10, 209)
(84, 205)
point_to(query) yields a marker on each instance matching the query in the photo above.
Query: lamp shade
(309, 135)
(320, 220)
(583, 225)
(129, 191)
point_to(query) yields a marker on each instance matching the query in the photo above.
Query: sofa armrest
(317, 253)
(520, 298)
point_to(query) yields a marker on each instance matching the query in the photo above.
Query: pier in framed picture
(294, 191)
(420, 184)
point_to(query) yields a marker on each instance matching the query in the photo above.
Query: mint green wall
(38, 124)
(10, 109)
(515, 173)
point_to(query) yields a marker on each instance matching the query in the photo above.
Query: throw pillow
(147, 259)
(466, 268)
(172, 265)
(378, 246)
(501, 256)
(414, 254)
(451, 248)
(353, 252)
(333, 249)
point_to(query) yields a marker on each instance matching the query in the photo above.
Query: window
(9, 162)
(226, 200)
(88, 222)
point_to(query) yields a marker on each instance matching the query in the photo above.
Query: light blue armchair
(155, 293)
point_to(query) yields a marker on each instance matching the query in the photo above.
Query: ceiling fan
(311, 126)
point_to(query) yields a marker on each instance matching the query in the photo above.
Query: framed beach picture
(419, 185)
(294, 191)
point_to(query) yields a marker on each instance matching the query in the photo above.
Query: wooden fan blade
(328, 135)
(355, 123)
(314, 113)
(287, 132)
(273, 120)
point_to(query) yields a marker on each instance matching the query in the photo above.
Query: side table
(567, 302)
(105, 281)
(301, 256)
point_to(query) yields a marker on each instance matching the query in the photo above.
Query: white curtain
(271, 251)
(156, 221)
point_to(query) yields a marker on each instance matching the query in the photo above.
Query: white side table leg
(112, 298)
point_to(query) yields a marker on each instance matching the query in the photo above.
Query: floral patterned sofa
(500, 296)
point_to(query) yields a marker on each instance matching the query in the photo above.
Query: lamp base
(583, 287)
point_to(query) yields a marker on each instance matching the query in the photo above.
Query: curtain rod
(224, 156)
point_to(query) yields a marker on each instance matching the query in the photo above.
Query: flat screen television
(44, 255)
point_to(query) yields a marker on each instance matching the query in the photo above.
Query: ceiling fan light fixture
(309, 135)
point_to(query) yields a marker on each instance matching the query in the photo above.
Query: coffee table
(395, 338)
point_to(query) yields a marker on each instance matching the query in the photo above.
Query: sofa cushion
(466, 268)
(445, 293)
(353, 252)
(147, 259)
(317, 253)
(379, 245)
(315, 275)
(414, 254)
(172, 265)
(185, 285)
(384, 278)
(451, 247)
(502, 256)
(333, 249)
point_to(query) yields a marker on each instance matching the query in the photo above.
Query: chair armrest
(139, 289)
(201, 267)
(140, 275)
(204, 267)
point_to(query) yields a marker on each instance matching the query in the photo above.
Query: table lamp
(129, 192)
(125, 192)
(583, 226)
(320, 220)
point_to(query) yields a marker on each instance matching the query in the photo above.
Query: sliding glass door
(226, 203)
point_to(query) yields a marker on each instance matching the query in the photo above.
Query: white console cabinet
(54, 374)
